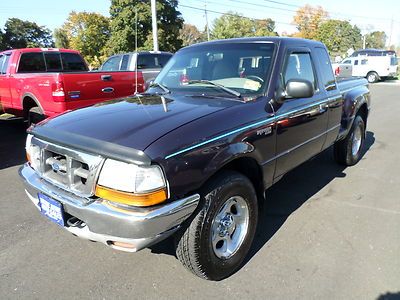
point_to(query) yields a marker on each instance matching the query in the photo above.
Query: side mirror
(299, 88)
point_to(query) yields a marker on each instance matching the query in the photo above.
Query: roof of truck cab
(281, 40)
(43, 50)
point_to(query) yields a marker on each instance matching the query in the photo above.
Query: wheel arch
(356, 102)
(28, 100)
(242, 158)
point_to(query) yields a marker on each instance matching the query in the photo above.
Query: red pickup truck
(36, 83)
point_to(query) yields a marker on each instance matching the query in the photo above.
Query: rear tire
(348, 151)
(35, 115)
(219, 236)
(372, 77)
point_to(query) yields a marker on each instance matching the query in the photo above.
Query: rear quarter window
(53, 62)
(31, 62)
(5, 64)
(72, 62)
(152, 61)
(162, 59)
(328, 78)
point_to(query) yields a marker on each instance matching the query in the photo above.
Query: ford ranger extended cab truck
(39, 82)
(194, 155)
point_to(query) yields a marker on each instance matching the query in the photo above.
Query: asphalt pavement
(326, 232)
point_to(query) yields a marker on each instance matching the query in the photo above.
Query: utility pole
(206, 14)
(364, 38)
(391, 31)
(154, 23)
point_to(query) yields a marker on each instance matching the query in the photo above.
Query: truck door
(5, 94)
(335, 98)
(301, 122)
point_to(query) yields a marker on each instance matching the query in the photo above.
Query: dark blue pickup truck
(194, 156)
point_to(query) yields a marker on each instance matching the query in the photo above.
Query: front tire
(218, 239)
(348, 151)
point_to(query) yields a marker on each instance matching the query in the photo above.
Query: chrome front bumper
(139, 227)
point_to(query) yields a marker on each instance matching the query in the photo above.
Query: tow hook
(75, 222)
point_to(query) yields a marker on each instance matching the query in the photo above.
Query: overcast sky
(368, 15)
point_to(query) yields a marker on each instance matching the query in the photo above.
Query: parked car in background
(194, 155)
(372, 64)
(149, 63)
(36, 83)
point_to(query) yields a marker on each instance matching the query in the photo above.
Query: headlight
(32, 153)
(130, 184)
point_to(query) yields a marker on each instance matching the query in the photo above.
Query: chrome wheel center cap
(225, 225)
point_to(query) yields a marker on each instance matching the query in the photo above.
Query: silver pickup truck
(149, 63)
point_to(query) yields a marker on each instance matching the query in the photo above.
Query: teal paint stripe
(271, 120)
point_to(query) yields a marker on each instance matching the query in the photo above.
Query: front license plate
(51, 209)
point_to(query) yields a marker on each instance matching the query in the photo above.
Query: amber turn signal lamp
(126, 198)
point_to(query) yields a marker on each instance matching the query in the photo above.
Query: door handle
(323, 108)
(106, 77)
(108, 90)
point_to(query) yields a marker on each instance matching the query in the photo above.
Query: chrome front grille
(69, 169)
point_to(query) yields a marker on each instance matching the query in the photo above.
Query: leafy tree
(189, 34)
(61, 38)
(265, 27)
(308, 19)
(376, 39)
(339, 36)
(234, 25)
(88, 33)
(23, 34)
(122, 12)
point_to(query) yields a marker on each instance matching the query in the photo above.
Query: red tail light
(139, 80)
(58, 91)
(184, 79)
(337, 71)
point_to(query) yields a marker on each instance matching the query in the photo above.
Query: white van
(373, 68)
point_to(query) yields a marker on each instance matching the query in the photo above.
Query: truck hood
(133, 122)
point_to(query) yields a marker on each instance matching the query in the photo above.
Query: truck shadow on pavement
(12, 143)
(389, 296)
(294, 189)
(287, 195)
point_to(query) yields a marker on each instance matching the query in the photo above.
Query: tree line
(97, 36)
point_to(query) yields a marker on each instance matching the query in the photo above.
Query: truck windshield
(241, 67)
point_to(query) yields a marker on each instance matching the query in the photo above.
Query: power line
(229, 14)
(241, 7)
(297, 6)
(285, 9)
(330, 12)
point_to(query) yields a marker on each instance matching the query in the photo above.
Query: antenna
(136, 53)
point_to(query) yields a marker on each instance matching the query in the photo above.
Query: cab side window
(299, 66)
(112, 64)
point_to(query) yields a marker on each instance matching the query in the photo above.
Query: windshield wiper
(161, 86)
(222, 87)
